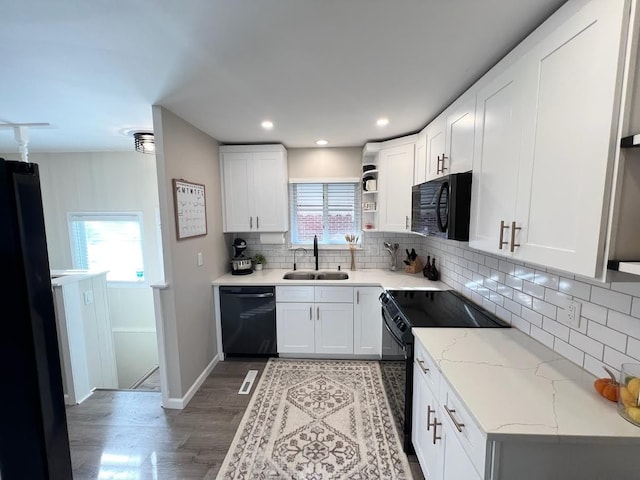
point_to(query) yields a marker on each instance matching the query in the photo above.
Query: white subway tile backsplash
(607, 336)
(503, 314)
(532, 317)
(484, 270)
(522, 298)
(586, 344)
(512, 306)
(546, 279)
(492, 262)
(593, 365)
(594, 312)
(624, 323)
(635, 307)
(505, 291)
(615, 359)
(524, 273)
(631, 288)
(568, 351)
(555, 328)
(544, 308)
(633, 348)
(542, 336)
(556, 298)
(610, 299)
(506, 267)
(575, 288)
(490, 284)
(513, 282)
(489, 305)
(498, 276)
(520, 324)
(496, 298)
(533, 289)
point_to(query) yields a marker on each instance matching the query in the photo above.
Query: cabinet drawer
(425, 367)
(294, 294)
(334, 294)
(466, 431)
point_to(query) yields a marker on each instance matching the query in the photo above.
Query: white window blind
(108, 241)
(328, 210)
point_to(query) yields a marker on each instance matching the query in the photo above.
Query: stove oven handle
(393, 335)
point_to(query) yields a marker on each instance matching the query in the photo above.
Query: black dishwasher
(248, 318)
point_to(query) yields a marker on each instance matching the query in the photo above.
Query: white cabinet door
(367, 321)
(456, 465)
(295, 327)
(568, 142)
(237, 178)
(425, 404)
(496, 160)
(334, 328)
(420, 161)
(270, 192)
(460, 135)
(394, 184)
(436, 144)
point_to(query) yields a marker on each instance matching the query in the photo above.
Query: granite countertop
(387, 279)
(516, 387)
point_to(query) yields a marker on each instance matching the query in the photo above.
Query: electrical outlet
(570, 315)
(88, 297)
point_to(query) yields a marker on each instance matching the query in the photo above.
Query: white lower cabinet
(437, 434)
(367, 321)
(314, 320)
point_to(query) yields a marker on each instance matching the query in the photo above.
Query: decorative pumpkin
(608, 387)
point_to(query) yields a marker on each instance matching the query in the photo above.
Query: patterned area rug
(317, 420)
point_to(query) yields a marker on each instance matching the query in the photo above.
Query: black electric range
(403, 310)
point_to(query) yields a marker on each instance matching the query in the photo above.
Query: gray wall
(184, 152)
(325, 162)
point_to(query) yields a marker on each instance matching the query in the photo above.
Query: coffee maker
(240, 265)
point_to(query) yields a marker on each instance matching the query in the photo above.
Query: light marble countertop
(63, 277)
(398, 280)
(516, 387)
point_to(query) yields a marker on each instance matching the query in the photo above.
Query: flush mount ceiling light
(382, 122)
(145, 142)
(267, 125)
(321, 142)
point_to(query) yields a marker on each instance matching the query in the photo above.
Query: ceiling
(315, 68)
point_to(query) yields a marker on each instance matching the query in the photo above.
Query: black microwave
(442, 207)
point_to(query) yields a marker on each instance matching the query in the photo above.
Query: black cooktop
(442, 308)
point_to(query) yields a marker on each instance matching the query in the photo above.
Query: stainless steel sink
(299, 276)
(315, 276)
(332, 276)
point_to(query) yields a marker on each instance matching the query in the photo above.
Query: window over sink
(328, 210)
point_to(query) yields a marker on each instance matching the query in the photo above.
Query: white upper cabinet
(420, 161)
(395, 179)
(254, 188)
(546, 139)
(436, 142)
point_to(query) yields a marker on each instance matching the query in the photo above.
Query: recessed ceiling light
(321, 142)
(382, 122)
(267, 125)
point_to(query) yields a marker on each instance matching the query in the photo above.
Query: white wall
(108, 182)
(186, 304)
(324, 162)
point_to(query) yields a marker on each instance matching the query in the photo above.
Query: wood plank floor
(127, 435)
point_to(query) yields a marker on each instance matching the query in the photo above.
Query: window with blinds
(328, 210)
(108, 241)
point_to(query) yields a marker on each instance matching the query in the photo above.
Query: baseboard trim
(180, 403)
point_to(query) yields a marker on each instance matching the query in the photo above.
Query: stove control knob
(402, 327)
(384, 298)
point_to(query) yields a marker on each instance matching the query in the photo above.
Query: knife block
(415, 266)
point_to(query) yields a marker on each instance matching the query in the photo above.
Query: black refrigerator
(34, 442)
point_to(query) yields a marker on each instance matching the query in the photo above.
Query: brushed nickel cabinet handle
(436, 424)
(310, 313)
(502, 242)
(250, 222)
(318, 312)
(422, 367)
(357, 297)
(513, 236)
(455, 422)
(406, 222)
(429, 412)
(443, 168)
(257, 222)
